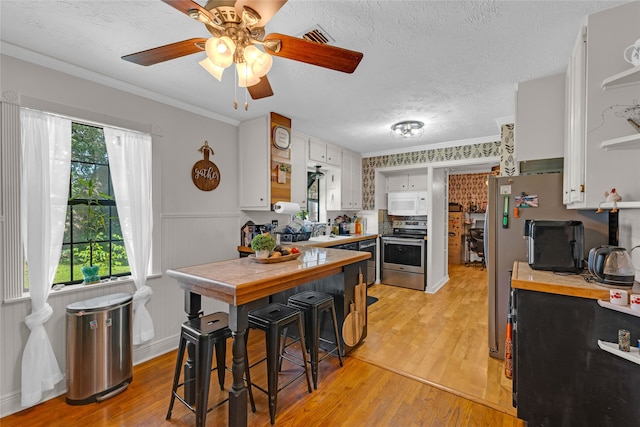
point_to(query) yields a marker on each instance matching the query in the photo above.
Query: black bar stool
(313, 304)
(273, 319)
(207, 334)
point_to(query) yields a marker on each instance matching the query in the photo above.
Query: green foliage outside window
(92, 232)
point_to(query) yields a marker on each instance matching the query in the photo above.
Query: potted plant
(94, 224)
(263, 244)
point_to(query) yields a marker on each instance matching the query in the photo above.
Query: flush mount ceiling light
(407, 129)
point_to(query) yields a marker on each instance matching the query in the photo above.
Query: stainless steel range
(404, 255)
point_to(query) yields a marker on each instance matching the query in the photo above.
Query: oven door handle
(403, 241)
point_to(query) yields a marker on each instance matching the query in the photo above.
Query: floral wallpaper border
(503, 148)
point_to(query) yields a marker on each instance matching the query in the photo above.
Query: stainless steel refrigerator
(504, 245)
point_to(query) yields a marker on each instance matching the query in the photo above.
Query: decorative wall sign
(205, 174)
(281, 137)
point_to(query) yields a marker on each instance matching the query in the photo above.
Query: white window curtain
(46, 162)
(130, 163)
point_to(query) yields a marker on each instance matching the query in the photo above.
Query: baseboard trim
(10, 403)
(440, 284)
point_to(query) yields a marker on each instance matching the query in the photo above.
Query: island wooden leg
(238, 323)
(193, 307)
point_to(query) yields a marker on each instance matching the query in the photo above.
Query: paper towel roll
(286, 208)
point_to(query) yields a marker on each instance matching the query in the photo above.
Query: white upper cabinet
(540, 111)
(417, 181)
(322, 152)
(407, 182)
(299, 169)
(575, 109)
(351, 196)
(398, 183)
(334, 155)
(601, 151)
(254, 175)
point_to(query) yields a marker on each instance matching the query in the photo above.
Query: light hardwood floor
(414, 340)
(439, 339)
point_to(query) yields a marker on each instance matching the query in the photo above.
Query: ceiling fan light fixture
(250, 17)
(407, 129)
(260, 62)
(212, 68)
(246, 77)
(220, 50)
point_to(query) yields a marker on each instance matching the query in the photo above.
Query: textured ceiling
(454, 65)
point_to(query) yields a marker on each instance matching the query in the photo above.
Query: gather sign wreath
(205, 174)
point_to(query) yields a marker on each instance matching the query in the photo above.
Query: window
(92, 234)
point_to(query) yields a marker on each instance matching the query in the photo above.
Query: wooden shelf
(621, 308)
(622, 143)
(612, 348)
(630, 76)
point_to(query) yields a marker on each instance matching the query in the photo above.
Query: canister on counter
(624, 340)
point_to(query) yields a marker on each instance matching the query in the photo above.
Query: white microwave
(407, 203)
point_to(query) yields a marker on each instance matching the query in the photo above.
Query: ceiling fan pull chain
(235, 91)
(246, 77)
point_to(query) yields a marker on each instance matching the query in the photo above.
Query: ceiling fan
(237, 27)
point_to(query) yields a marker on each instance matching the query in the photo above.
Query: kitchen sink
(328, 238)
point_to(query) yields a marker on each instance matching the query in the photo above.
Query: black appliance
(404, 255)
(555, 245)
(249, 230)
(371, 247)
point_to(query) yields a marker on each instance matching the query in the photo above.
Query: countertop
(574, 285)
(242, 280)
(331, 241)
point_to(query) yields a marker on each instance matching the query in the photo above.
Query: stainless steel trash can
(99, 348)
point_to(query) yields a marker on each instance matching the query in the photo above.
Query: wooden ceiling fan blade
(185, 6)
(166, 52)
(322, 55)
(266, 9)
(261, 89)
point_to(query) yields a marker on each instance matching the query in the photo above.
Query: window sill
(78, 288)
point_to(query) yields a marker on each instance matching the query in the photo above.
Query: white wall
(629, 235)
(438, 241)
(191, 226)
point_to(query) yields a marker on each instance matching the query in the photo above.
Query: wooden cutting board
(360, 292)
(360, 296)
(352, 327)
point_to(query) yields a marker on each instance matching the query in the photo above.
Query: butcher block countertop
(242, 280)
(574, 285)
(333, 241)
(324, 243)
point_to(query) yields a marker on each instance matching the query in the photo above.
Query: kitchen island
(245, 284)
(567, 368)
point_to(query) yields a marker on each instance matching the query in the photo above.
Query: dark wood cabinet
(561, 376)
